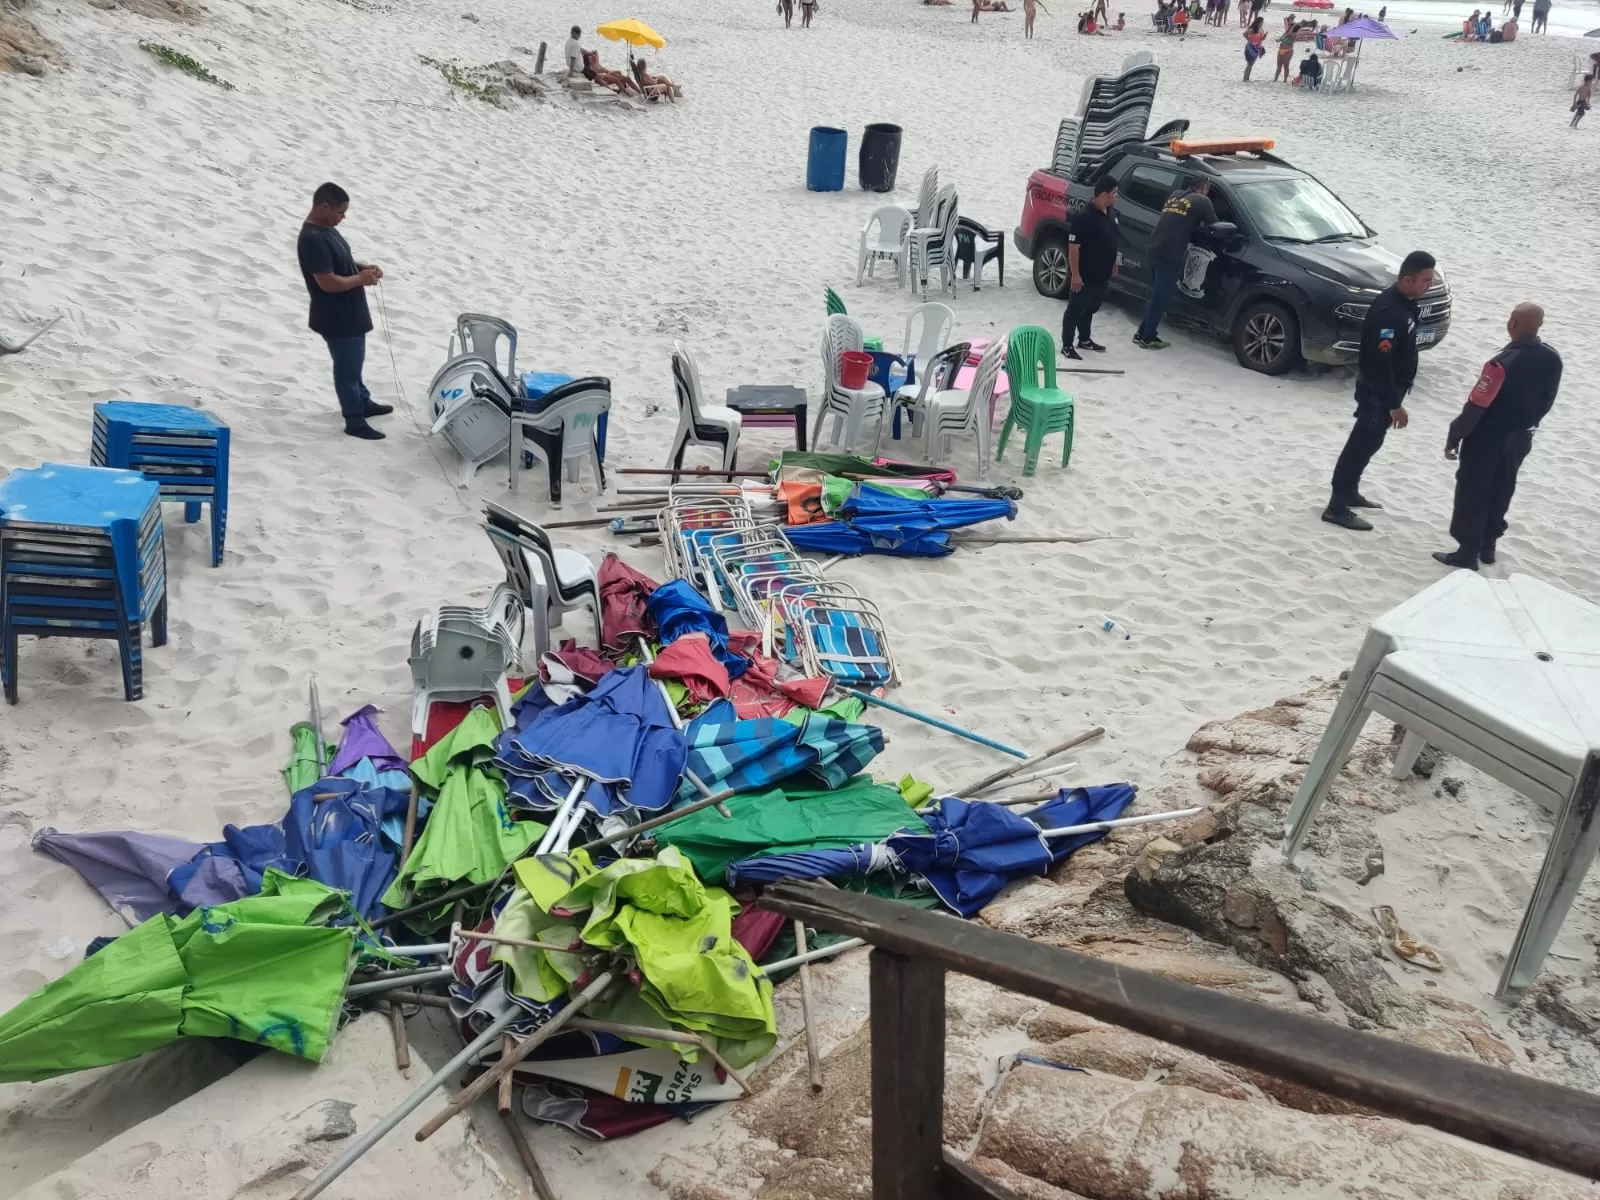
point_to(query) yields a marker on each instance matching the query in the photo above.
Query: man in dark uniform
(1092, 256)
(336, 284)
(1169, 246)
(1494, 433)
(1387, 369)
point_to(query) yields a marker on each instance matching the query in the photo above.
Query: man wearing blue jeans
(1169, 245)
(336, 284)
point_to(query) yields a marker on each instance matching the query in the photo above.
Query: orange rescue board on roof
(1222, 146)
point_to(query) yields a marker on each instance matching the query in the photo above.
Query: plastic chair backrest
(937, 322)
(893, 224)
(686, 380)
(575, 407)
(454, 383)
(929, 191)
(841, 333)
(984, 379)
(480, 335)
(1030, 352)
(835, 305)
(940, 371)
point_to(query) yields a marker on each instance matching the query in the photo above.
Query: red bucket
(853, 369)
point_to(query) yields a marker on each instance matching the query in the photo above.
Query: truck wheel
(1266, 337)
(1052, 273)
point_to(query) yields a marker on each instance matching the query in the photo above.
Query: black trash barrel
(880, 158)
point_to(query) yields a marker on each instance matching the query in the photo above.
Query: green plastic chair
(1038, 407)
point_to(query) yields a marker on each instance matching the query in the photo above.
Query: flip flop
(1406, 948)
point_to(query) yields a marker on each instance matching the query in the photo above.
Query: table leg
(800, 426)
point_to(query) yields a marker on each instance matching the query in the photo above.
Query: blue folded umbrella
(619, 736)
(874, 521)
(973, 849)
(678, 609)
(755, 755)
(847, 862)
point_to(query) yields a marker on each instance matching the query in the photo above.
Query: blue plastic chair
(81, 555)
(182, 450)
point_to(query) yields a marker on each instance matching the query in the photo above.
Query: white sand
(159, 214)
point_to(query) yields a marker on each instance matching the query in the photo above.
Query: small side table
(763, 404)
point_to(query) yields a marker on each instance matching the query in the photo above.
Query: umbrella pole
(411, 979)
(407, 1106)
(783, 964)
(813, 1052)
(524, 1148)
(715, 801)
(661, 684)
(411, 827)
(1031, 777)
(316, 724)
(506, 940)
(859, 694)
(402, 1048)
(560, 819)
(1122, 822)
(1037, 760)
(509, 1060)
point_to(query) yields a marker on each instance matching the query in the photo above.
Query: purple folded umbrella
(130, 869)
(362, 739)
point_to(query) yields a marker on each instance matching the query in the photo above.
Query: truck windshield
(1297, 209)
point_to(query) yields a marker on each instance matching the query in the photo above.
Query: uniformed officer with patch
(1388, 366)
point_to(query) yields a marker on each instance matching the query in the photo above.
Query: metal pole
(657, 822)
(783, 964)
(1121, 823)
(410, 979)
(406, 1107)
(880, 702)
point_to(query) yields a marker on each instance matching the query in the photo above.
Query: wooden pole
(411, 825)
(511, 1058)
(506, 940)
(1035, 761)
(530, 1164)
(813, 1052)
(502, 1099)
(907, 1021)
(402, 1048)
(1027, 539)
(538, 63)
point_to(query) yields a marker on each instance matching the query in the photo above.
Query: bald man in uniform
(1494, 433)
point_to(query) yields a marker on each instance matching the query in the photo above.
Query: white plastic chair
(927, 194)
(850, 408)
(883, 237)
(1505, 675)
(953, 410)
(699, 423)
(478, 334)
(550, 581)
(458, 657)
(935, 373)
(469, 410)
(937, 322)
(568, 422)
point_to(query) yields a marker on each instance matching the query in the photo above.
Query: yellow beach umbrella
(635, 33)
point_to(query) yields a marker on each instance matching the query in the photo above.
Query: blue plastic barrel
(825, 163)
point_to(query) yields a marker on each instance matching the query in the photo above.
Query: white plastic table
(1505, 675)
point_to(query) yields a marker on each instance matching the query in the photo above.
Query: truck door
(1141, 195)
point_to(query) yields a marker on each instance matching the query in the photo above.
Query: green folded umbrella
(470, 834)
(303, 768)
(264, 969)
(787, 820)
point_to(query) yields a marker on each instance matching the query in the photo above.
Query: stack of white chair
(550, 581)
(460, 653)
(471, 400)
(569, 417)
(849, 408)
(934, 245)
(950, 411)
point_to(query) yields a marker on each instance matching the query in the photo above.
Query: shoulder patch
(1386, 333)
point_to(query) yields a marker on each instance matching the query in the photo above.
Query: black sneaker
(1486, 555)
(377, 410)
(1455, 558)
(1345, 519)
(360, 429)
(1086, 344)
(1150, 343)
(1068, 352)
(1361, 501)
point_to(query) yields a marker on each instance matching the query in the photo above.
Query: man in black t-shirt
(1092, 257)
(336, 284)
(1169, 245)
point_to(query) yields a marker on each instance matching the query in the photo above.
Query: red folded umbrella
(623, 612)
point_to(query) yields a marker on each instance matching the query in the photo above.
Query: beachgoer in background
(1255, 9)
(1030, 9)
(1349, 15)
(605, 76)
(1285, 54)
(786, 7)
(1180, 20)
(1541, 16)
(1581, 99)
(1092, 258)
(1494, 433)
(1122, 23)
(574, 52)
(1386, 371)
(1383, 13)
(654, 86)
(1244, 13)
(1469, 26)
(1169, 246)
(977, 7)
(336, 283)
(1254, 46)
(808, 9)
(1507, 32)
(1516, 10)
(1311, 72)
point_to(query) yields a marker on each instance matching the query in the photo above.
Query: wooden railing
(913, 948)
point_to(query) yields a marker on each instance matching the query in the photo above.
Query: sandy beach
(157, 215)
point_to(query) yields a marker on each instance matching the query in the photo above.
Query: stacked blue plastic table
(184, 450)
(81, 555)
